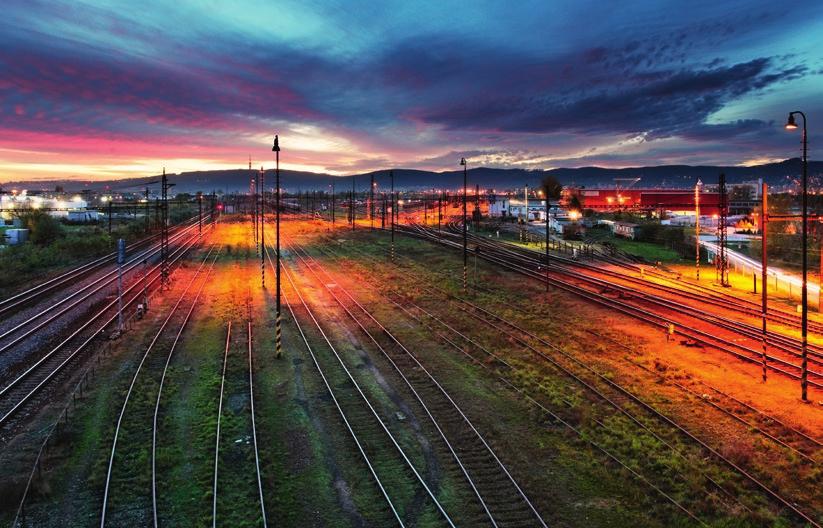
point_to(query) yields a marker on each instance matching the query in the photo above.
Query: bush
(43, 228)
(25, 261)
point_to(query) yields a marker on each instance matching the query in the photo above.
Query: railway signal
(199, 213)
(121, 258)
(277, 331)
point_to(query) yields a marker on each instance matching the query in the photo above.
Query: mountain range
(783, 174)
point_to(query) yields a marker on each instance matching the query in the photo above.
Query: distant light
(574, 215)
(77, 199)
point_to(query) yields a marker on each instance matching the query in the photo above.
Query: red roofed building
(675, 200)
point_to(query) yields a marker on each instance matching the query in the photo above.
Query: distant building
(674, 200)
(507, 206)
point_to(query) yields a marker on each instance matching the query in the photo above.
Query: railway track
(621, 398)
(676, 289)
(82, 296)
(17, 301)
(237, 438)
(769, 426)
(127, 472)
(388, 463)
(501, 497)
(671, 298)
(28, 387)
(749, 352)
(490, 361)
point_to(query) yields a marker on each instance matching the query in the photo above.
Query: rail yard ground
(402, 399)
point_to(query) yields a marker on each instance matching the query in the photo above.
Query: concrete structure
(83, 216)
(625, 229)
(13, 237)
(508, 206)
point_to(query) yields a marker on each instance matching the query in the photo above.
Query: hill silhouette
(779, 174)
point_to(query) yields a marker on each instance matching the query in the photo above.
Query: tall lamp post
(393, 211)
(804, 300)
(465, 236)
(697, 229)
(546, 193)
(277, 331)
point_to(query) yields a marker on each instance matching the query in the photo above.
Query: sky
(107, 89)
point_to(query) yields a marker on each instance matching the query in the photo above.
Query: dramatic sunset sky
(99, 89)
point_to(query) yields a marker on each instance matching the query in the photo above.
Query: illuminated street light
(804, 296)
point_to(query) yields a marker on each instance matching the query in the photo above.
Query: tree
(551, 187)
(575, 203)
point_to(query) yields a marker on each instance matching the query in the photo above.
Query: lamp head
(276, 147)
(790, 123)
(462, 161)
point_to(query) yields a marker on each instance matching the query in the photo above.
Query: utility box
(16, 236)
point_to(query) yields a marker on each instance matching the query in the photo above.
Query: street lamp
(804, 301)
(465, 236)
(277, 332)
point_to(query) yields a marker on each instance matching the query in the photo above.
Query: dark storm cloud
(659, 103)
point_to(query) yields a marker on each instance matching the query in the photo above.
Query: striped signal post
(278, 347)
(465, 235)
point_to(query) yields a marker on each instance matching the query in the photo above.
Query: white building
(507, 206)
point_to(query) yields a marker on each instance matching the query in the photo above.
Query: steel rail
(217, 438)
(254, 430)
